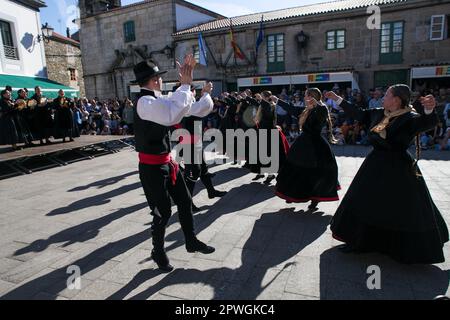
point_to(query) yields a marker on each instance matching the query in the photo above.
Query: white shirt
(170, 110)
(202, 107)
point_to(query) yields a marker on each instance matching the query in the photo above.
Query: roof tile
(315, 9)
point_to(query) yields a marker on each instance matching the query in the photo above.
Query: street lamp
(302, 39)
(168, 51)
(47, 33)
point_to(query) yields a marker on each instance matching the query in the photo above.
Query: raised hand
(207, 88)
(331, 95)
(428, 102)
(274, 99)
(186, 72)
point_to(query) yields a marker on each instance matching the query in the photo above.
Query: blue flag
(202, 50)
(260, 39)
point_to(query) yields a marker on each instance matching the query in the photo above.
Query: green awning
(49, 88)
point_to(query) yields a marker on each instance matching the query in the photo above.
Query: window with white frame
(196, 51)
(9, 48)
(437, 27)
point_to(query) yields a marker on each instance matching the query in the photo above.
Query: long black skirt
(388, 209)
(281, 153)
(310, 172)
(8, 131)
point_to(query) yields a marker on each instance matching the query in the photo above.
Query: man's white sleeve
(203, 107)
(166, 111)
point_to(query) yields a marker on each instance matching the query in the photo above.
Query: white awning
(430, 72)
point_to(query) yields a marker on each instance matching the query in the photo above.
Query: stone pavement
(93, 214)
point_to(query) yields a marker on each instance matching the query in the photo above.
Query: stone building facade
(114, 38)
(63, 55)
(339, 46)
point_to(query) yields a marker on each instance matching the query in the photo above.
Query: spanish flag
(237, 52)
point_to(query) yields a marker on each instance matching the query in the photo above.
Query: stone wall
(102, 38)
(61, 57)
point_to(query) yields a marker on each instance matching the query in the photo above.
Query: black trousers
(198, 170)
(159, 190)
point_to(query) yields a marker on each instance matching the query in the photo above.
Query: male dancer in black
(159, 174)
(195, 165)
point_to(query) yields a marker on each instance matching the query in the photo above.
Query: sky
(60, 13)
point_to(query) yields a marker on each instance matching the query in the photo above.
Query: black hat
(146, 70)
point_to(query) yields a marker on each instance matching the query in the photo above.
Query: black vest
(151, 137)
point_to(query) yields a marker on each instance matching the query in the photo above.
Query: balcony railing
(11, 53)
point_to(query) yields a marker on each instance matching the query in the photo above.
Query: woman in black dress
(63, 117)
(310, 172)
(266, 121)
(23, 118)
(388, 208)
(43, 121)
(8, 127)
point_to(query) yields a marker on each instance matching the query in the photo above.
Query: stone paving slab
(93, 214)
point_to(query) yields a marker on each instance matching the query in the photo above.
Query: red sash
(160, 159)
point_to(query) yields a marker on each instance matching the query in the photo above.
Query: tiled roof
(60, 38)
(315, 9)
(35, 4)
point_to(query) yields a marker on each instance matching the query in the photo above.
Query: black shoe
(270, 179)
(258, 177)
(198, 246)
(162, 261)
(217, 194)
(48, 142)
(71, 140)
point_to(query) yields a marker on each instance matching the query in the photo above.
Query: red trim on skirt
(287, 198)
(338, 239)
(286, 145)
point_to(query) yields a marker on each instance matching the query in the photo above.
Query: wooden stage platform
(27, 160)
